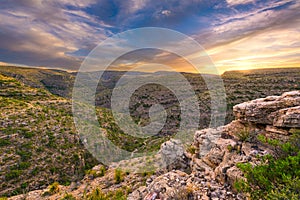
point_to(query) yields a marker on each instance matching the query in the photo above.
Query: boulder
(174, 156)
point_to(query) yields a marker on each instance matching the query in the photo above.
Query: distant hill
(240, 86)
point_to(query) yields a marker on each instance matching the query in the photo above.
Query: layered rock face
(213, 166)
(276, 115)
(278, 111)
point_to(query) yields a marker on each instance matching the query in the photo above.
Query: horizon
(146, 72)
(236, 35)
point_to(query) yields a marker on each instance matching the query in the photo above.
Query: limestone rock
(289, 117)
(266, 110)
(214, 157)
(274, 129)
(174, 156)
(205, 139)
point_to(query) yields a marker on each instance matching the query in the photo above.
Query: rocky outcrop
(278, 111)
(213, 165)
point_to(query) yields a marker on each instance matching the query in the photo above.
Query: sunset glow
(243, 34)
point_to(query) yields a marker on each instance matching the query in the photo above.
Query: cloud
(46, 33)
(266, 36)
(233, 27)
(166, 12)
(269, 48)
(60, 33)
(136, 5)
(239, 2)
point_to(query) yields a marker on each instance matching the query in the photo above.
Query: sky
(236, 34)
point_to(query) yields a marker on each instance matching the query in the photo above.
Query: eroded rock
(174, 156)
(274, 110)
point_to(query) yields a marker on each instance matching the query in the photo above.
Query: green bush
(95, 173)
(68, 197)
(13, 174)
(117, 195)
(24, 165)
(54, 188)
(243, 135)
(35, 171)
(275, 178)
(98, 194)
(102, 171)
(119, 177)
(191, 149)
(25, 155)
(27, 134)
(4, 142)
(24, 185)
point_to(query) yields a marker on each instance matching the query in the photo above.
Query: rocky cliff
(208, 168)
(217, 151)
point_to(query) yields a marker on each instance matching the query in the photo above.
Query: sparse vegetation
(4, 142)
(191, 149)
(35, 127)
(95, 173)
(98, 194)
(230, 148)
(13, 174)
(275, 178)
(119, 175)
(68, 197)
(243, 135)
(102, 170)
(54, 188)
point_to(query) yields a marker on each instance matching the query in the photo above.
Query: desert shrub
(147, 173)
(64, 179)
(27, 134)
(24, 165)
(25, 155)
(68, 197)
(120, 194)
(53, 170)
(102, 171)
(98, 194)
(243, 135)
(4, 142)
(35, 171)
(95, 173)
(13, 174)
(230, 148)
(191, 149)
(119, 176)
(275, 178)
(54, 188)
(24, 185)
